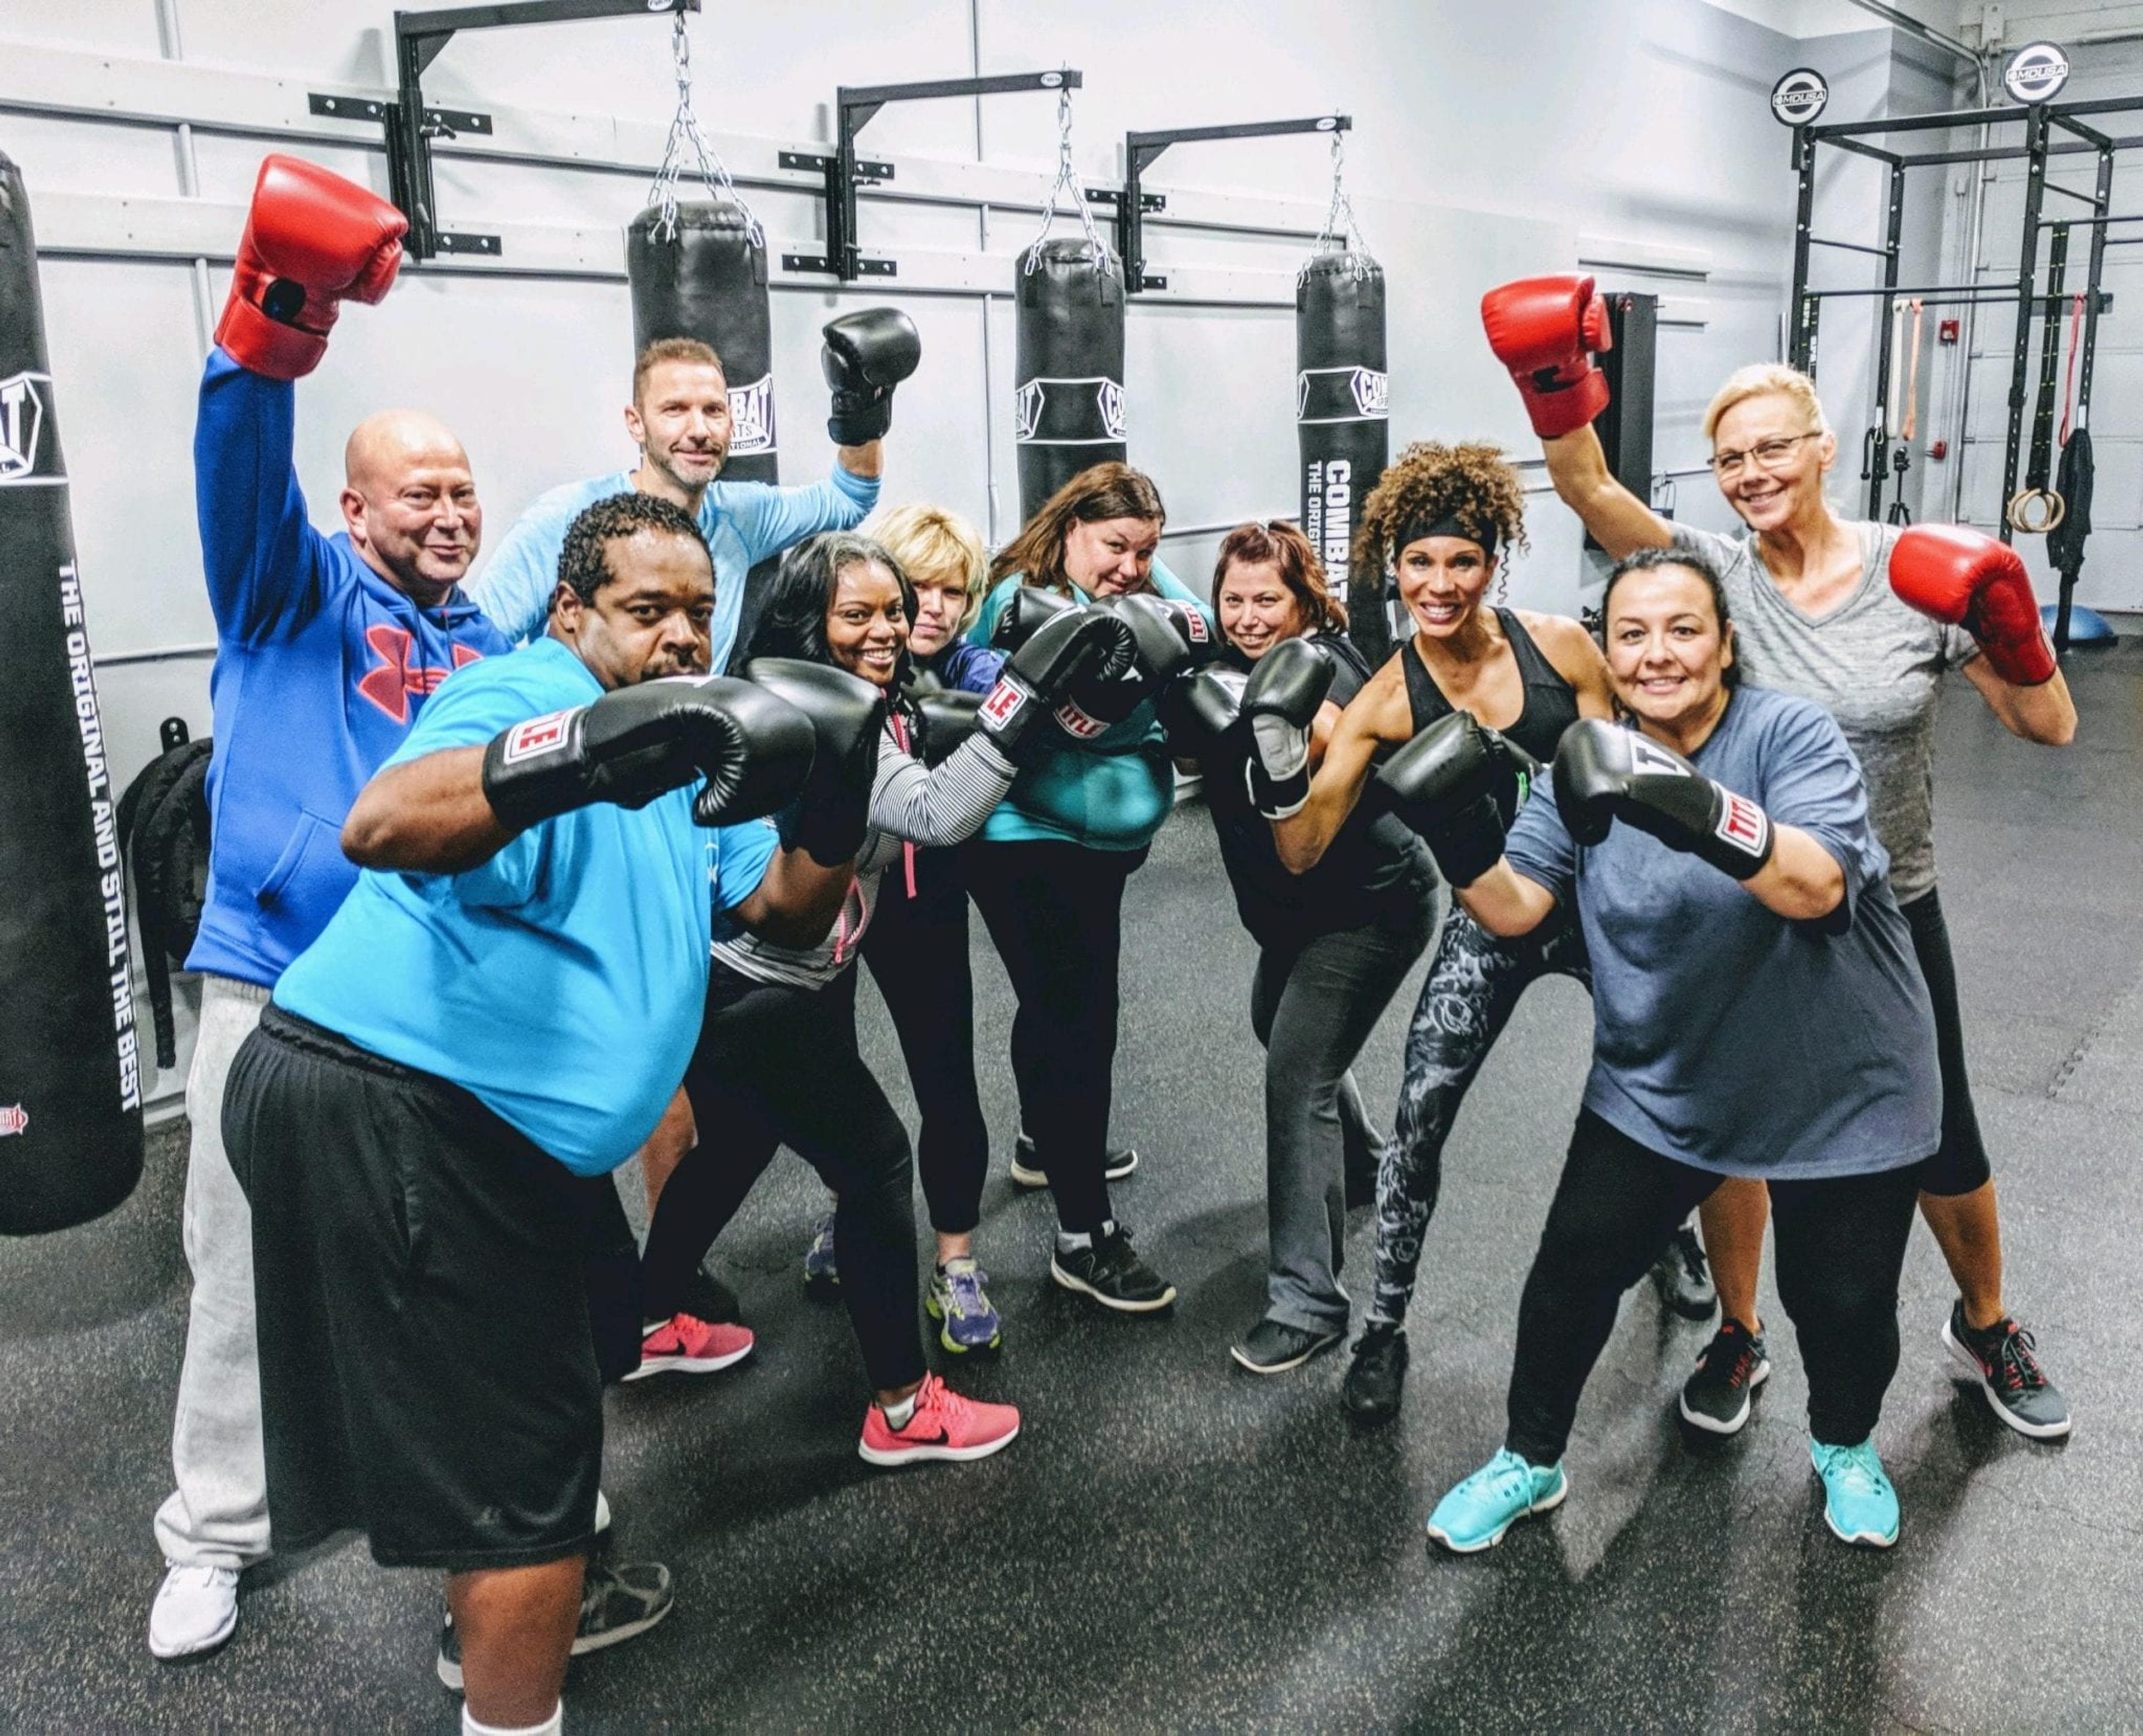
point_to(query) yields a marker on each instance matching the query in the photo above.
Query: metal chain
(1067, 179)
(683, 130)
(1342, 233)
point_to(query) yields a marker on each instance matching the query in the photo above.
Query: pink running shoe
(945, 1426)
(685, 1344)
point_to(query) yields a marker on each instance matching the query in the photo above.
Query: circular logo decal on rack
(2036, 73)
(1799, 97)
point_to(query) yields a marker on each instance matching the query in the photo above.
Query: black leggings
(917, 949)
(1054, 912)
(1961, 1165)
(1841, 1245)
(778, 1066)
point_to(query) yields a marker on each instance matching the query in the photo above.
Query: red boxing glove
(312, 241)
(1969, 580)
(1546, 330)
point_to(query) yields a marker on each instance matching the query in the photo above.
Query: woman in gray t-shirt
(1816, 614)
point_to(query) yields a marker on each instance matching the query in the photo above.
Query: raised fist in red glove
(1546, 330)
(1972, 581)
(313, 240)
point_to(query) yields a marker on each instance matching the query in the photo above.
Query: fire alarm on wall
(1947, 332)
(1940, 449)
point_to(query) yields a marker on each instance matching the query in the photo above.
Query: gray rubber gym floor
(1173, 1544)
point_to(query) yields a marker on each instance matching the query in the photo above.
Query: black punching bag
(1069, 366)
(709, 281)
(1341, 416)
(69, 1075)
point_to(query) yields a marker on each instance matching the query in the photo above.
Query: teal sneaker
(1858, 1504)
(1474, 1515)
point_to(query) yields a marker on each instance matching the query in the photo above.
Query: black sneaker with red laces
(2005, 1362)
(1716, 1396)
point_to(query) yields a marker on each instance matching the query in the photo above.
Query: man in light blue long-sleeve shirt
(680, 419)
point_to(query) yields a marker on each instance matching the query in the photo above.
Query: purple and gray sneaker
(957, 1299)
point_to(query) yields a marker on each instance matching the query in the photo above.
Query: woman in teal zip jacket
(1048, 871)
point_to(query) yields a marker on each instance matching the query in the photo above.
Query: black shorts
(1960, 1166)
(428, 1374)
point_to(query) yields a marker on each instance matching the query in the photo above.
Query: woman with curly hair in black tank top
(1440, 522)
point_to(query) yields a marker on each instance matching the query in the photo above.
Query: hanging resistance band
(2068, 405)
(1908, 422)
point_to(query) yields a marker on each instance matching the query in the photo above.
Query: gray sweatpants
(1313, 1009)
(218, 1514)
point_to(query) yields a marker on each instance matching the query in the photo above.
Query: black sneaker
(1110, 1272)
(617, 1603)
(2005, 1362)
(1273, 1346)
(1683, 1277)
(1371, 1393)
(1715, 1397)
(1027, 1172)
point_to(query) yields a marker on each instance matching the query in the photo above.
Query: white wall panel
(1488, 140)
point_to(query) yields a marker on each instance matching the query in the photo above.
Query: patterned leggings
(1472, 988)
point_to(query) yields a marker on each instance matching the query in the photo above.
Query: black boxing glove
(1023, 613)
(1604, 772)
(864, 357)
(1172, 638)
(632, 745)
(847, 716)
(1279, 703)
(949, 718)
(1456, 786)
(1202, 710)
(1054, 675)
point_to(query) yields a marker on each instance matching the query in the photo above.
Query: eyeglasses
(1767, 455)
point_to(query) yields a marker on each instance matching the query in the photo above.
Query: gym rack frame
(2042, 122)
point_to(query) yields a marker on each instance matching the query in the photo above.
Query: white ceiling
(2064, 21)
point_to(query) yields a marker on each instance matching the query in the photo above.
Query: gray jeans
(1312, 1007)
(218, 1514)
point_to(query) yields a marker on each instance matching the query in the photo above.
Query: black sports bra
(1550, 705)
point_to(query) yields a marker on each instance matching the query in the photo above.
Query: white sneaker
(195, 1611)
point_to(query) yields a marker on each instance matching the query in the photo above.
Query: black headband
(1447, 526)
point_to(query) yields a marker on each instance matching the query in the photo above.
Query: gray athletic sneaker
(619, 1602)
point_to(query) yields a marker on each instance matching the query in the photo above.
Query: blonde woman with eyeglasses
(1864, 619)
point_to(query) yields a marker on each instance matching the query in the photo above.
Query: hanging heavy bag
(1069, 364)
(1341, 416)
(69, 1075)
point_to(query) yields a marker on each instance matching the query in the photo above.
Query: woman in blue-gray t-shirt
(1760, 1013)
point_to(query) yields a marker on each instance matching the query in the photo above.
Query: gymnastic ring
(2022, 508)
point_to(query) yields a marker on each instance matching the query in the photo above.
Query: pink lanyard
(908, 848)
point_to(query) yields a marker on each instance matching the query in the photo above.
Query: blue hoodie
(321, 666)
(1109, 793)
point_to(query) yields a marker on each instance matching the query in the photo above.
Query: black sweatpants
(1961, 1165)
(1841, 1245)
(1054, 912)
(917, 949)
(778, 1066)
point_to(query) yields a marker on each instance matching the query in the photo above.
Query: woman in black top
(1437, 521)
(1336, 941)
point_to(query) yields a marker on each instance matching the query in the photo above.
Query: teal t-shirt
(562, 982)
(1109, 793)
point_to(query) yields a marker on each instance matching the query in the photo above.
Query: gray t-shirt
(1872, 662)
(1724, 1036)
